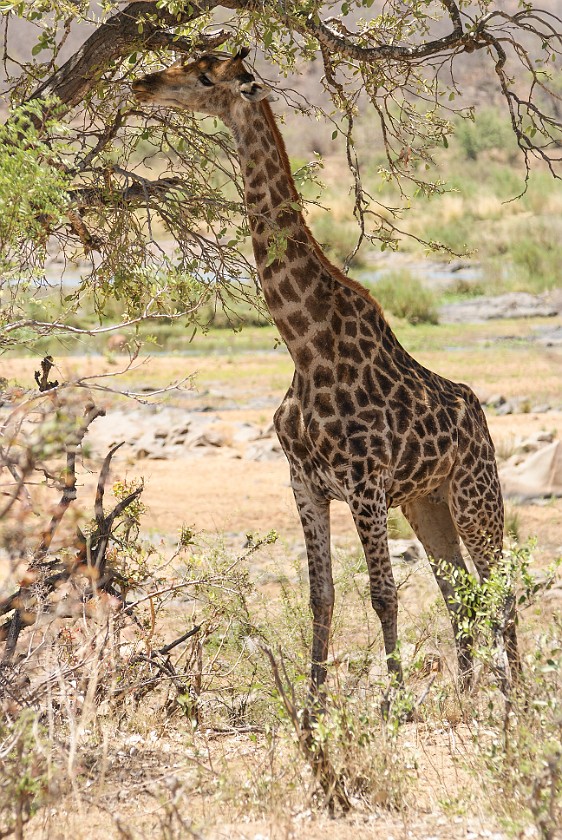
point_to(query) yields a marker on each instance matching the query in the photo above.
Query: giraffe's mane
(335, 272)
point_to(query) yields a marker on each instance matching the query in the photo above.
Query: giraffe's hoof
(315, 708)
(465, 680)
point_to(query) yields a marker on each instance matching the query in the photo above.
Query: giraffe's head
(209, 85)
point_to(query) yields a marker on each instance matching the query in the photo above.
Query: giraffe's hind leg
(478, 514)
(433, 525)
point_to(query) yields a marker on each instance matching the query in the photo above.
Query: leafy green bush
(488, 130)
(521, 754)
(456, 235)
(398, 526)
(536, 259)
(338, 238)
(33, 185)
(528, 261)
(403, 295)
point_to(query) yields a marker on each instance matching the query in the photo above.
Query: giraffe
(363, 421)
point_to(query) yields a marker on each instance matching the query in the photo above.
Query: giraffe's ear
(243, 53)
(254, 92)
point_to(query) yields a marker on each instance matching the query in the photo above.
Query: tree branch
(138, 25)
(335, 42)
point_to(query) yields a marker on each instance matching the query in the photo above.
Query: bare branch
(331, 782)
(336, 43)
(69, 490)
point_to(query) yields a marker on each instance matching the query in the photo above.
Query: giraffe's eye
(205, 80)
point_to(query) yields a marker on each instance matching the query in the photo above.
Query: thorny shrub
(517, 737)
(89, 605)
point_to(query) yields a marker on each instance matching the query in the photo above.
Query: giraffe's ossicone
(363, 421)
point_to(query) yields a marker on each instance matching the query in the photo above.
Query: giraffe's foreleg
(315, 519)
(370, 516)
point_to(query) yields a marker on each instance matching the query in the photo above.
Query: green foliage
(457, 235)
(483, 601)
(398, 526)
(402, 294)
(529, 261)
(24, 775)
(365, 751)
(520, 753)
(485, 131)
(536, 258)
(33, 188)
(512, 523)
(338, 236)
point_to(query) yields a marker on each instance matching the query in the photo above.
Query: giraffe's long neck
(295, 278)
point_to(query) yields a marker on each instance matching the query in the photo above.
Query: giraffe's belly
(342, 485)
(336, 463)
(427, 477)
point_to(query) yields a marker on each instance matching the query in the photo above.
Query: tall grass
(404, 295)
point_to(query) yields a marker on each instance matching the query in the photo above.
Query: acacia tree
(86, 170)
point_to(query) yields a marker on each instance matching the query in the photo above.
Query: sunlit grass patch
(405, 296)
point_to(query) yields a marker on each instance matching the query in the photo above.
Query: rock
(269, 431)
(534, 442)
(515, 405)
(505, 408)
(495, 401)
(510, 305)
(216, 452)
(246, 432)
(148, 447)
(178, 434)
(537, 476)
(205, 439)
(543, 408)
(264, 450)
(551, 338)
(553, 594)
(408, 551)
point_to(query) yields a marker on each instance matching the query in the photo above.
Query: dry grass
(100, 764)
